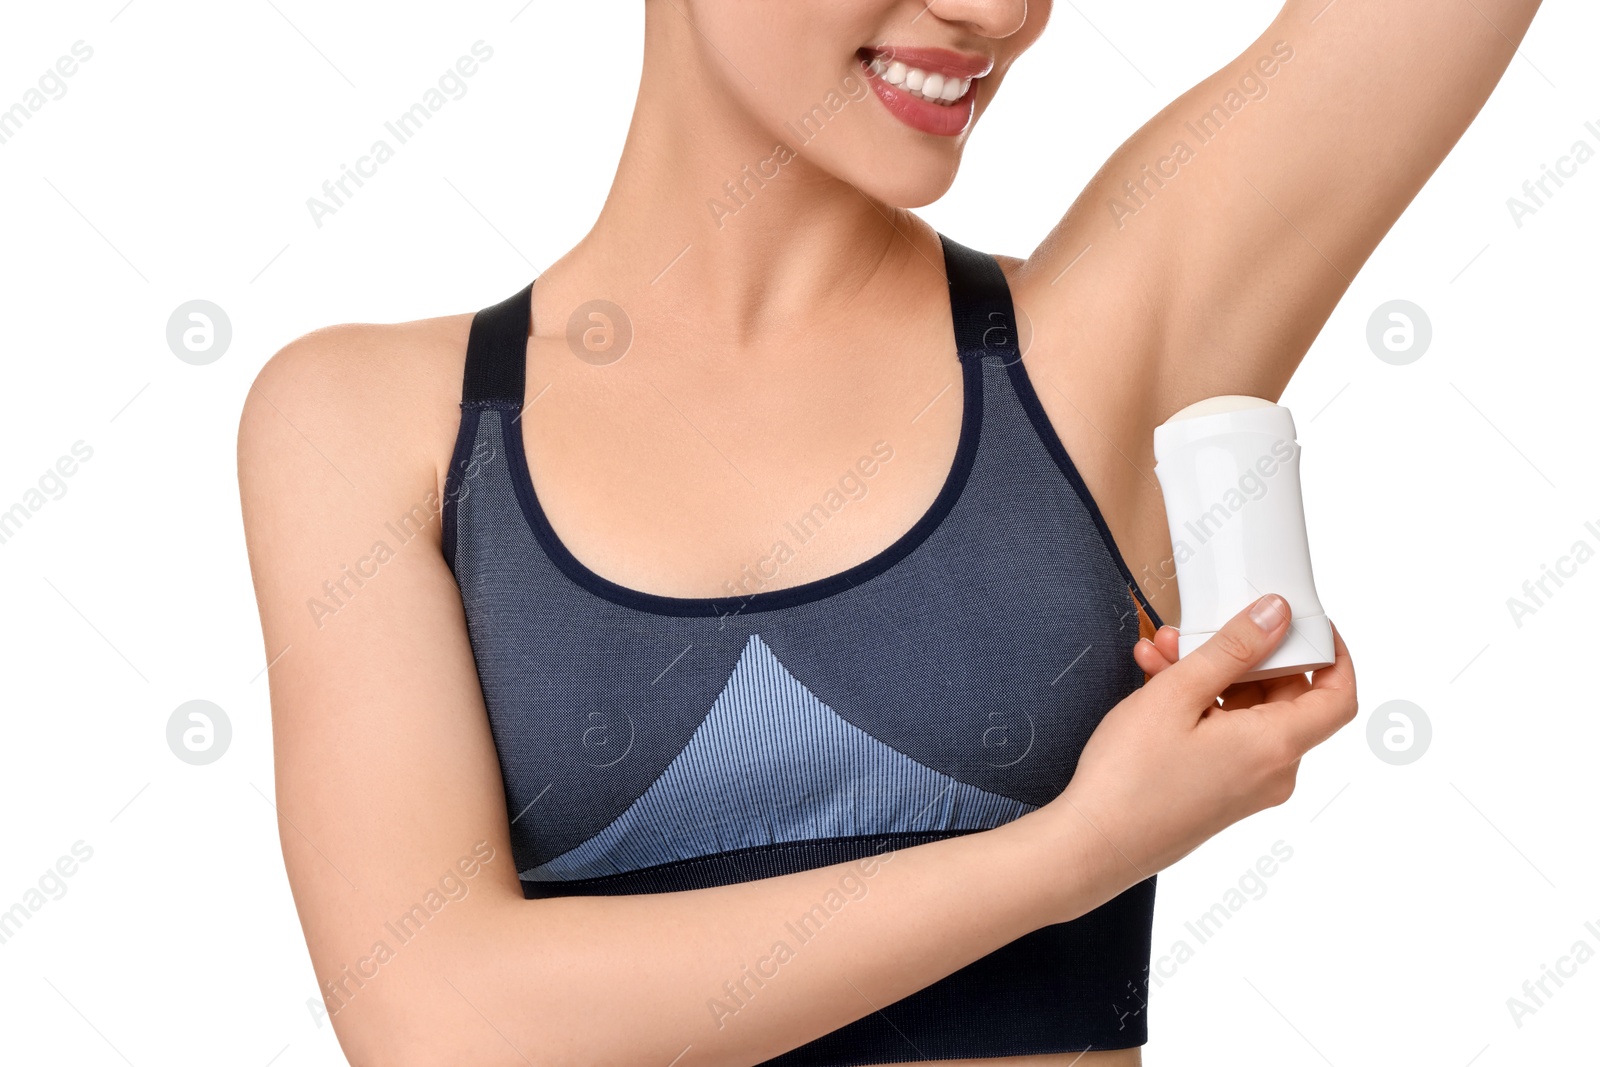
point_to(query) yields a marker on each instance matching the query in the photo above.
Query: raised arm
(392, 817)
(1217, 240)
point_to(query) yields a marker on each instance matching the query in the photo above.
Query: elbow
(451, 995)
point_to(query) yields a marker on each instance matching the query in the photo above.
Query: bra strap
(980, 304)
(497, 352)
(980, 307)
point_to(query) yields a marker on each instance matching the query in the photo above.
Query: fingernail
(1269, 611)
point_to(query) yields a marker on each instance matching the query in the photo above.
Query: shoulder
(372, 368)
(365, 402)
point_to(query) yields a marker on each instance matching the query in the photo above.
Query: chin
(906, 189)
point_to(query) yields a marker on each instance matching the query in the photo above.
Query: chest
(952, 691)
(685, 481)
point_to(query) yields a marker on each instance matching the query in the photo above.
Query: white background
(177, 166)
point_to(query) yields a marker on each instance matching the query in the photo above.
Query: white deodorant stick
(1229, 468)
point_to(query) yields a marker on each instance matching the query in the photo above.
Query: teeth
(937, 88)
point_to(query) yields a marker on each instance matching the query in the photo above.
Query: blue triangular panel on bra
(770, 764)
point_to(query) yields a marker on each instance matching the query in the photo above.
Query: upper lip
(936, 60)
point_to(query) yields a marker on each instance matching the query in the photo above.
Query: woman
(693, 658)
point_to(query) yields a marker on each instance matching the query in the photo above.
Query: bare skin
(762, 367)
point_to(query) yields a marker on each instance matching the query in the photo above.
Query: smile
(930, 85)
(929, 89)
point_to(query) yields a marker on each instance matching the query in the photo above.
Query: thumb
(1230, 653)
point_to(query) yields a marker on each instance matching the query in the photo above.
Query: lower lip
(942, 120)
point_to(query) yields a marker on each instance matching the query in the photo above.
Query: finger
(1341, 674)
(1281, 689)
(1166, 642)
(1315, 717)
(1286, 687)
(1243, 641)
(1149, 658)
(1328, 704)
(1244, 695)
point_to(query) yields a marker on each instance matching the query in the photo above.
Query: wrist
(1067, 862)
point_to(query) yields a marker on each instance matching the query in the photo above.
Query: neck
(712, 218)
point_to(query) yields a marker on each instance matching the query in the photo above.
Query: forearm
(736, 974)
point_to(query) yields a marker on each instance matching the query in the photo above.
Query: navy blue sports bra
(945, 686)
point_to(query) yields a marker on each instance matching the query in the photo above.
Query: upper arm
(387, 785)
(1217, 240)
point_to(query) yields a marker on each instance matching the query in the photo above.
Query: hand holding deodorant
(1229, 468)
